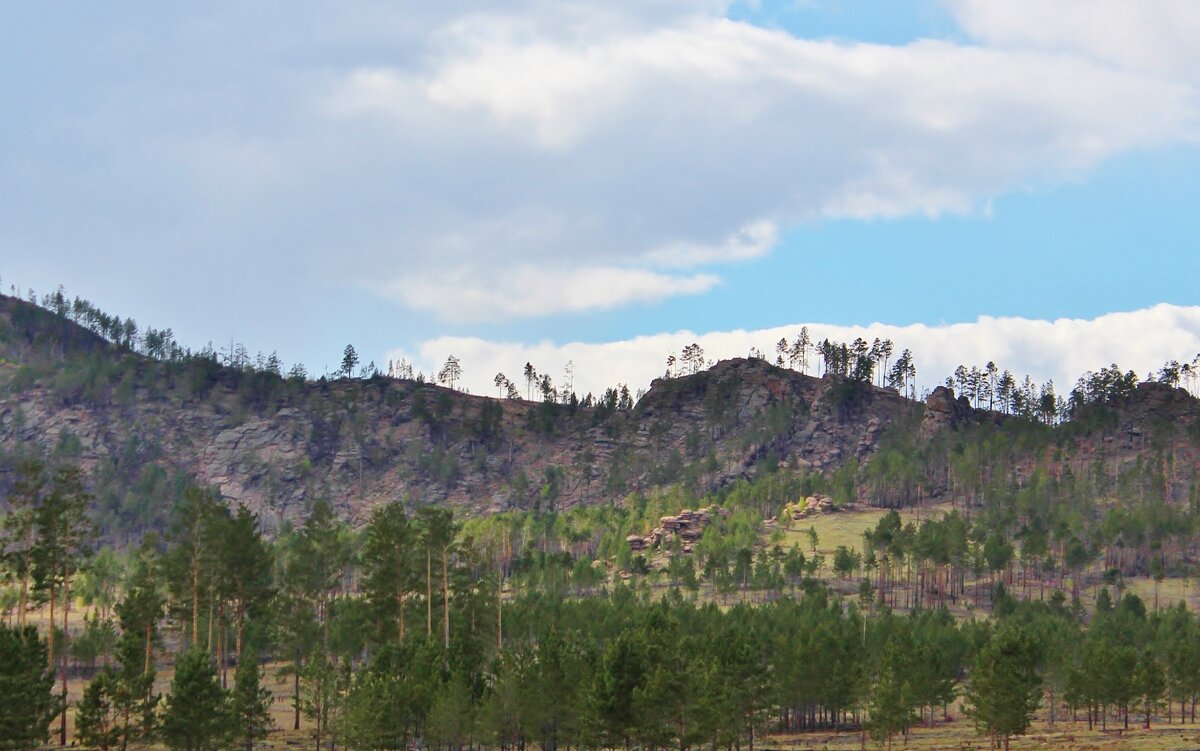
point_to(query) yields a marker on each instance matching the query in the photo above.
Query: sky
(606, 182)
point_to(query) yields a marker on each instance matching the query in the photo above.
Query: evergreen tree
(27, 701)
(249, 705)
(313, 577)
(196, 717)
(349, 361)
(891, 707)
(139, 614)
(388, 561)
(451, 721)
(97, 719)
(243, 570)
(188, 563)
(1150, 681)
(64, 534)
(21, 527)
(1005, 687)
(439, 531)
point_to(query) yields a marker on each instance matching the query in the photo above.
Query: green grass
(847, 527)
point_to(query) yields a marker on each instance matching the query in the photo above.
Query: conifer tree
(1150, 681)
(188, 564)
(97, 719)
(27, 701)
(349, 360)
(244, 570)
(196, 717)
(21, 526)
(1005, 688)
(388, 558)
(891, 707)
(133, 683)
(249, 705)
(439, 530)
(63, 536)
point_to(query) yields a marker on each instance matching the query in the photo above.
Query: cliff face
(277, 445)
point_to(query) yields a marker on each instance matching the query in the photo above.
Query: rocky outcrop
(943, 411)
(277, 446)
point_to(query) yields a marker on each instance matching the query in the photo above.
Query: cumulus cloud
(526, 148)
(1061, 350)
(527, 291)
(689, 139)
(1155, 36)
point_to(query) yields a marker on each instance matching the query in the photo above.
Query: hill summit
(143, 427)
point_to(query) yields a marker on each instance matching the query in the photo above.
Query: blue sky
(521, 179)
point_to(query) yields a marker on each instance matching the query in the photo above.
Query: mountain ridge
(139, 426)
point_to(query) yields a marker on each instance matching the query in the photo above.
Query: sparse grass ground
(960, 734)
(840, 528)
(847, 527)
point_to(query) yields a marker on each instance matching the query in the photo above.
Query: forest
(998, 581)
(501, 632)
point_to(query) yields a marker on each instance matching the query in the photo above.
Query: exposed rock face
(362, 443)
(943, 411)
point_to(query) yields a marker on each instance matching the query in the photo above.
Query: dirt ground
(960, 734)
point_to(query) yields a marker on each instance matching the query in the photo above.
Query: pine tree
(197, 713)
(23, 502)
(891, 708)
(1150, 681)
(27, 701)
(451, 721)
(97, 719)
(388, 562)
(1005, 687)
(187, 565)
(243, 570)
(250, 705)
(349, 360)
(133, 683)
(63, 536)
(439, 530)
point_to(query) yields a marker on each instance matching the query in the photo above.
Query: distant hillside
(143, 428)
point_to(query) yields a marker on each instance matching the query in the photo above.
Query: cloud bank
(412, 167)
(670, 138)
(1061, 350)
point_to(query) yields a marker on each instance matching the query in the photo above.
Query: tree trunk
(446, 601)
(221, 641)
(149, 648)
(62, 732)
(296, 693)
(195, 601)
(24, 604)
(240, 630)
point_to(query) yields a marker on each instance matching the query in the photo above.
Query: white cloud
(751, 241)
(530, 145)
(1155, 36)
(1062, 349)
(527, 291)
(686, 139)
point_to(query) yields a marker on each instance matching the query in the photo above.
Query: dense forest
(157, 586)
(420, 627)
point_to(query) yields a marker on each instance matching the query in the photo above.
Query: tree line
(858, 361)
(419, 626)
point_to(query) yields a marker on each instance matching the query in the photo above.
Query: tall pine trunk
(446, 601)
(62, 731)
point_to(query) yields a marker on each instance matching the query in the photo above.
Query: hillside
(143, 427)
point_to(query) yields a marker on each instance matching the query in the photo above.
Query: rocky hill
(144, 427)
